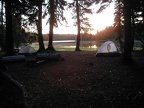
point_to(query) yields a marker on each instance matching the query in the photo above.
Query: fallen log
(15, 58)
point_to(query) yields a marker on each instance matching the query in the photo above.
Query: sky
(98, 21)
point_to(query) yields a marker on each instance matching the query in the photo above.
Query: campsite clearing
(82, 80)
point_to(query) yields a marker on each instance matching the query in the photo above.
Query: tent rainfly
(108, 48)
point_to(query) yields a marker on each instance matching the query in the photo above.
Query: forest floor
(81, 80)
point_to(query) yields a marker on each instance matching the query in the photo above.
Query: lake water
(69, 44)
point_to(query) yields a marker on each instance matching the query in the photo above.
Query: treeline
(109, 33)
(60, 37)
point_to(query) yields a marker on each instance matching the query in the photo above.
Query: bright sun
(98, 22)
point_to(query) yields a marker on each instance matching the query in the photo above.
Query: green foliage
(137, 25)
(20, 35)
(17, 34)
(29, 38)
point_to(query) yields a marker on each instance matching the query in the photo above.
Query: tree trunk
(50, 44)
(78, 28)
(119, 25)
(133, 28)
(127, 29)
(143, 15)
(2, 28)
(39, 26)
(9, 34)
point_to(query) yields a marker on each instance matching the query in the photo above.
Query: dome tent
(27, 50)
(108, 48)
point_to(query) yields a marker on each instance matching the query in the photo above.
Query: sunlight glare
(98, 22)
(93, 46)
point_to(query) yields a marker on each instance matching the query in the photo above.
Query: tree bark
(9, 34)
(39, 26)
(51, 25)
(119, 25)
(2, 28)
(143, 15)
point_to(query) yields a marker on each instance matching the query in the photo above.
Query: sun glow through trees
(98, 21)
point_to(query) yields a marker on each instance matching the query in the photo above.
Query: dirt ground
(81, 80)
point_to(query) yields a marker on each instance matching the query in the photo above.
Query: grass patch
(73, 49)
(59, 48)
(88, 49)
(64, 49)
(137, 48)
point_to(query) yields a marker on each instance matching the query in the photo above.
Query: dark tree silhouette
(81, 7)
(127, 29)
(2, 38)
(9, 35)
(55, 10)
(39, 26)
(34, 14)
(51, 25)
(78, 27)
(118, 21)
